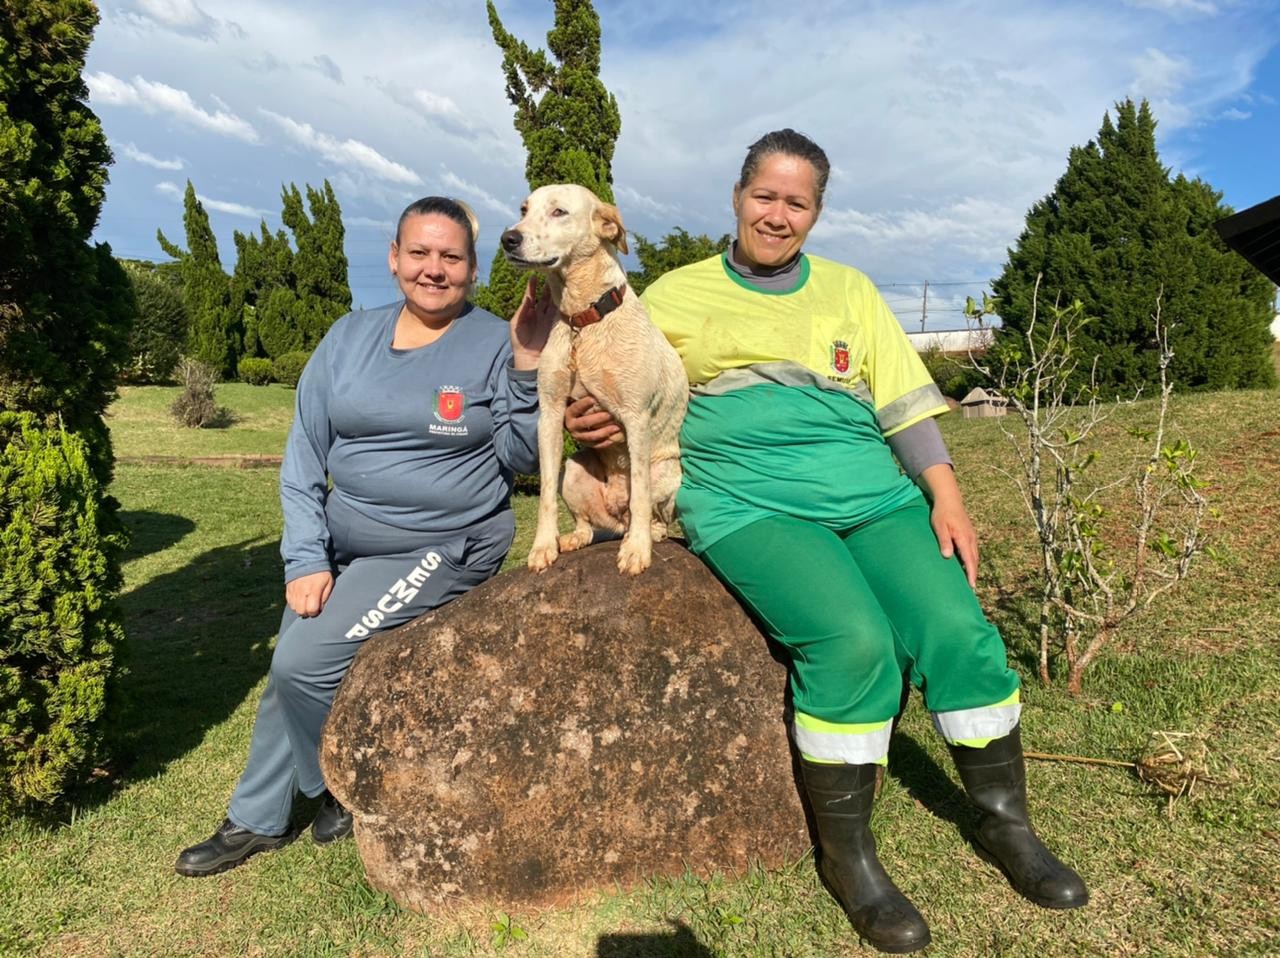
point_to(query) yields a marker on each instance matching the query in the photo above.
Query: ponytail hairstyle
(789, 143)
(456, 210)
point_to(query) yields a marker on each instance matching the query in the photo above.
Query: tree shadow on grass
(151, 532)
(680, 943)
(198, 640)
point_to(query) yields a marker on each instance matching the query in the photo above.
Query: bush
(59, 571)
(159, 330)
(255, 371)
(954, 375)
(195, 406)
(289, 366)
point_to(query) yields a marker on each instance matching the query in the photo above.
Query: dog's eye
(558, 212)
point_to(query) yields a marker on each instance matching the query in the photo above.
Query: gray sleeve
(515, 416)
(304, 479)
(919, 446)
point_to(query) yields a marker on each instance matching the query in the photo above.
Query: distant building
(981, 403)
(952, 340)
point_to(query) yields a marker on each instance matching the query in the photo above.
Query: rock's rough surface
(548, 735)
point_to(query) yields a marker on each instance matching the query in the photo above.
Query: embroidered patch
(840, 356)
(449, 404)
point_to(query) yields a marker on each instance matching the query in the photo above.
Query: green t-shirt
(793, 394)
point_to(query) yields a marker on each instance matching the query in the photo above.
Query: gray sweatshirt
(425, 440)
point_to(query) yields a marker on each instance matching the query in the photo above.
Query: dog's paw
(541, 557)
(575, 540)
(658, 531)
(633, 557)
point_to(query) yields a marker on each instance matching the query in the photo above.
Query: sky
(944, 121)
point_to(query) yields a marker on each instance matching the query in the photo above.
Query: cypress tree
(65, 311)
(216, 329)
(320, 264)
(65, 306)
(1116, 234)
(264, 265)
(567, 119)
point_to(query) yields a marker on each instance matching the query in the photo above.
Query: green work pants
(857, 609)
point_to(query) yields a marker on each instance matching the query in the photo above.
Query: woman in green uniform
(804, 390)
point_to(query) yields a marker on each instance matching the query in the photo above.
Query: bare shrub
(1096, 573)
(195, 406)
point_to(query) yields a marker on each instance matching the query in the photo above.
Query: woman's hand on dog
(531, 325)
(307, 594)
(590, 425)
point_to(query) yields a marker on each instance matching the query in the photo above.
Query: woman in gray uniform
(411, 421)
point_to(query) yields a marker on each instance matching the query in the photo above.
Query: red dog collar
(601, 308)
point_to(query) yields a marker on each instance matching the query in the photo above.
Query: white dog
(606, 346)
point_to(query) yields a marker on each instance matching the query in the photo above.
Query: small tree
(567, 119)
(1092, 585)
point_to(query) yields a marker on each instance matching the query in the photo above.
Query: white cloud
(980, 228)
(184, 17)
(161, 98)
(443, 113)
(434, 104)
(138, 156)
(630, 199)
(457, 183)
(220, 206)
(178, 14)
(1156, 74)
(1232, 113)
(369, 223)
(349, 154)
(1160, 78)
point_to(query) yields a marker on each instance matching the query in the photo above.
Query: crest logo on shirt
(840, 356)
(449, 404)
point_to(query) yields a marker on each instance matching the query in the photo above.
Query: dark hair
(455, 210)
(789, 143)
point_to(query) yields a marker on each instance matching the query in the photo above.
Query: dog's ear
(608, 223)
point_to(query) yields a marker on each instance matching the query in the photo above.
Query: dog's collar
(601, 308)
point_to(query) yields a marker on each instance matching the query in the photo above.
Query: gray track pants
(312, 655)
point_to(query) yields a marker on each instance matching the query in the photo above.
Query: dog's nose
(511, 240)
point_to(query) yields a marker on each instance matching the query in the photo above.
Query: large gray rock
(548, 735)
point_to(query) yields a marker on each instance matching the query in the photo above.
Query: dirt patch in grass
(226, 462)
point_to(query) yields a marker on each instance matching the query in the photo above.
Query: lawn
(1198, 877)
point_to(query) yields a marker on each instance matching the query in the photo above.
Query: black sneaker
(226, 848)
(332, 823)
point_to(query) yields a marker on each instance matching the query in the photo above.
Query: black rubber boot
(995, 778)
(841, 797)
(226, 848)
(332, 823)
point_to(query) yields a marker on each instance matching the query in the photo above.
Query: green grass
(202, 595)
(142, 426)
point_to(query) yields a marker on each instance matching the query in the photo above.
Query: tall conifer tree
(1116, 234)
(65, 305)
(567, 119)
(215, 330)
(65, 311)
